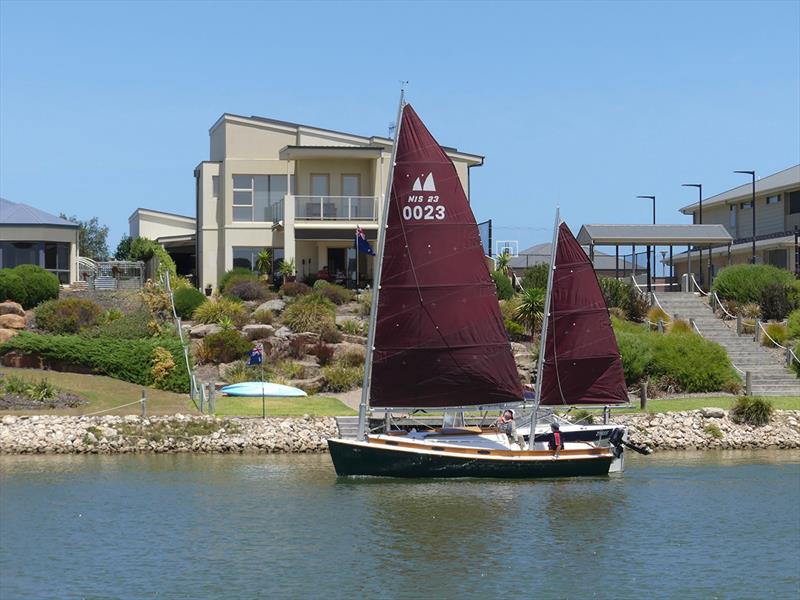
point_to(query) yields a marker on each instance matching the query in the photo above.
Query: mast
(376, 284)
(545, 320)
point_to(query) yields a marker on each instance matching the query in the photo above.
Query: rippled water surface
(675, 525)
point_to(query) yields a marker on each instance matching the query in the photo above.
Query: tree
(264, 262)
(93, 237)
(504, 263)
(123, 251)
(530, 310)
(536, 276)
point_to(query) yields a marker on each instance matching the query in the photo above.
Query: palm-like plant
(530, 308)
(264, 262)
(287, 269)
(504, 263)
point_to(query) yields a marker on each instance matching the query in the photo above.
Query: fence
(111, 275)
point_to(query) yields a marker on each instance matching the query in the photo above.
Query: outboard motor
(617, 441)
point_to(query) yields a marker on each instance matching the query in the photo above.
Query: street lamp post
(699, 187)
(753, 208)
(653, 198)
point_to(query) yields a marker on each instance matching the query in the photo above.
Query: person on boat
(555, 442)
(507, 425)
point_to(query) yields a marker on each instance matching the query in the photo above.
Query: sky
(106, 106)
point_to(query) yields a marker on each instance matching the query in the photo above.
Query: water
(699, 525)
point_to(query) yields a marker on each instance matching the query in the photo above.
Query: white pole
(373, 315)
(543, 339)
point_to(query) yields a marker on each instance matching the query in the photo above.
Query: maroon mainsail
(439, 339)
(582, 364)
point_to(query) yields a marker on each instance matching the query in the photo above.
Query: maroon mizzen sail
(582, 364)
(439, 339)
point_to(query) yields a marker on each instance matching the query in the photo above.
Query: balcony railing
(336, 208)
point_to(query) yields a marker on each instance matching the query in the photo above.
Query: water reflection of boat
(437, 340)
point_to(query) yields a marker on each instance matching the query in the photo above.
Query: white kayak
(258, 388)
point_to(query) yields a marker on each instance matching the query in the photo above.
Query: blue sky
(105, 107)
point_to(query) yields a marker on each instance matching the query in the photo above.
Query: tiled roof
(16, 213)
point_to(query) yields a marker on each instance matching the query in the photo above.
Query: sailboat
(437, 341)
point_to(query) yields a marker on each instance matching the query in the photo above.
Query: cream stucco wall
(154, 225)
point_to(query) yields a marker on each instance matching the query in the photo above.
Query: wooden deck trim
(490, 452)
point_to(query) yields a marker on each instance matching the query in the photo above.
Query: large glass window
(320, 184)
(351, 185)
(245, 257)
(53, 256)
(215, 186)
(258, 197)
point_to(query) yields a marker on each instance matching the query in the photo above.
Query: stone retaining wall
(178, 433)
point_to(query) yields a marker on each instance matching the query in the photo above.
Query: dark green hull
(379, 460)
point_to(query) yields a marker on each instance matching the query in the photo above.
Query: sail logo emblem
(428, 186)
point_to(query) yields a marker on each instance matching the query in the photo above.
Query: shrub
(694, 363)
(713, 430)
(751, 411)
(331, 335)
(297, 347)
(162, 363)
(12, 288)
(240, 372)
(339, 378)
(156, 298)
(681, 326)
(515, 331)
(365, 303)
(624, 295)
(247, 288)
(67, 315)
(187, 299)
(353, 357)
(264, 317)
(317, 284)
(335, 293)
(656, 314)
(776, 331)
(39, 285)
(291, 370)
(128, 327)
(793, 324)
(144, 249)
(748, 310)
(636, 352)
(310, 313)
(225, 346)
(353, 327)
(774, 301)
(323, 352)
(502, 283)
(125, 359)
(744, 283)
(293, 289)
(214, 311)
(228, 275)
(536, 276)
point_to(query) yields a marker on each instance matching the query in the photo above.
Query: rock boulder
(12, 321)
(275, 305)
(202, 330)
(7, 334)
(11, 308)
(257, 331)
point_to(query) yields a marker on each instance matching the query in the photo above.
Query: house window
(244, 257)
(745, 205)
(258, 197)
(777, 258)
(732, 215)
(320, 184)
(773, 199)
(794, 202)
(52, 256)
(351, 185)
(215, 186)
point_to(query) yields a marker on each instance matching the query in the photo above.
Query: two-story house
(297, 190)
(777, 213)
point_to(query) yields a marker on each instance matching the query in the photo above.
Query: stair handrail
(697, 286)
(722, 306)
(781, 346)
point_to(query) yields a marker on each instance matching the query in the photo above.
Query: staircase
(769, 376)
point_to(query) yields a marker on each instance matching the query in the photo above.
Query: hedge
(686, 360)
(125, 359)
(144, 249)
(187, 299)
(29, 285)
(745, 283)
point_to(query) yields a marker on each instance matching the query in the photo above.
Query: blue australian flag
(256, 355)
(361, 242)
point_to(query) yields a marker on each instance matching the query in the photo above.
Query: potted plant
(287, 270)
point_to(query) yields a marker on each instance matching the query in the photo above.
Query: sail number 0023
(430, 211)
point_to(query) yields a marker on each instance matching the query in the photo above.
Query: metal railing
(336, 208)
(110, 275)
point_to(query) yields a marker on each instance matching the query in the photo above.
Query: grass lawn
(679, 404)
(318, 406)
(105, 392)
(102, 393)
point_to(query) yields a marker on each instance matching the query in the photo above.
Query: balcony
(336, 208)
